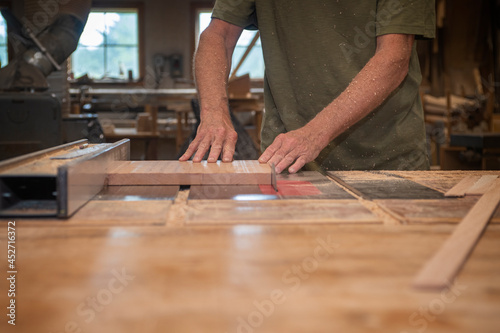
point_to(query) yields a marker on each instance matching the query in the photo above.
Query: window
(3, 42)
(109, 46)
(253, 64)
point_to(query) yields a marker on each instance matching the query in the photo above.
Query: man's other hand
(216, 134)
(295, 148)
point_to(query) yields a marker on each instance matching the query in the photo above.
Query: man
(341, 82)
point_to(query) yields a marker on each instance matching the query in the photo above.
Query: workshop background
(131, 76)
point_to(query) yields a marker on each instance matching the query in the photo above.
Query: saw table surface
(315, 256)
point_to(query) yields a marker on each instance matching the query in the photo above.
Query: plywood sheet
(278, 212)
(189, 173)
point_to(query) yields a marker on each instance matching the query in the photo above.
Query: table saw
(119, 247)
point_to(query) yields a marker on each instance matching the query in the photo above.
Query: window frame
(10, 53)
(197, 7)
(139, 6)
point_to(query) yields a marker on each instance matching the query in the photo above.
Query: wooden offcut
(482, 185)
(189, 173)
(472, 185)
(461, 187)
(441, 270)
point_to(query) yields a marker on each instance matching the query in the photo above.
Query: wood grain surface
(189, 173)
(283, 211)
(141, 262)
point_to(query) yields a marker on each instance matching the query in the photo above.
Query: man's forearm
(212, 65)
(371, 86)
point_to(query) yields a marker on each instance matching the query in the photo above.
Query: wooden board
(441, 270)
(188, 173)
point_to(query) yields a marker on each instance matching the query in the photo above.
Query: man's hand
(218, 134)
(300, 146)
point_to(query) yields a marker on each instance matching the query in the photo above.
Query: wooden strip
(189, 173)
(440, 271)
(482, 185)
(459, 189)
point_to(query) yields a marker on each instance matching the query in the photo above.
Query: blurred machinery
(33, 86)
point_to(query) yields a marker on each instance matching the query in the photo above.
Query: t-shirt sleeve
(414, 17)
(237, 12)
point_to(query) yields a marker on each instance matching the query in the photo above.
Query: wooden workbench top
(149, 259)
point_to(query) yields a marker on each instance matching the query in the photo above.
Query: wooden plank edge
(462, 186)
(482, 185)
(442, 269)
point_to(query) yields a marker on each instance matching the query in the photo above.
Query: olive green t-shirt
(312, 51)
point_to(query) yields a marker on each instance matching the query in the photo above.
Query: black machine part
(51, 47)
(28, 122)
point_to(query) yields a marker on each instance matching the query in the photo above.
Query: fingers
(202, 150)
(218, 142)
(286, 151)
(190, 151)
(284, 162)
(299, 163)
(215, 150)
(270, 151)
(229, 147)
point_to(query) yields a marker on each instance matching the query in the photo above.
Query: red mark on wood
(291, 188)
